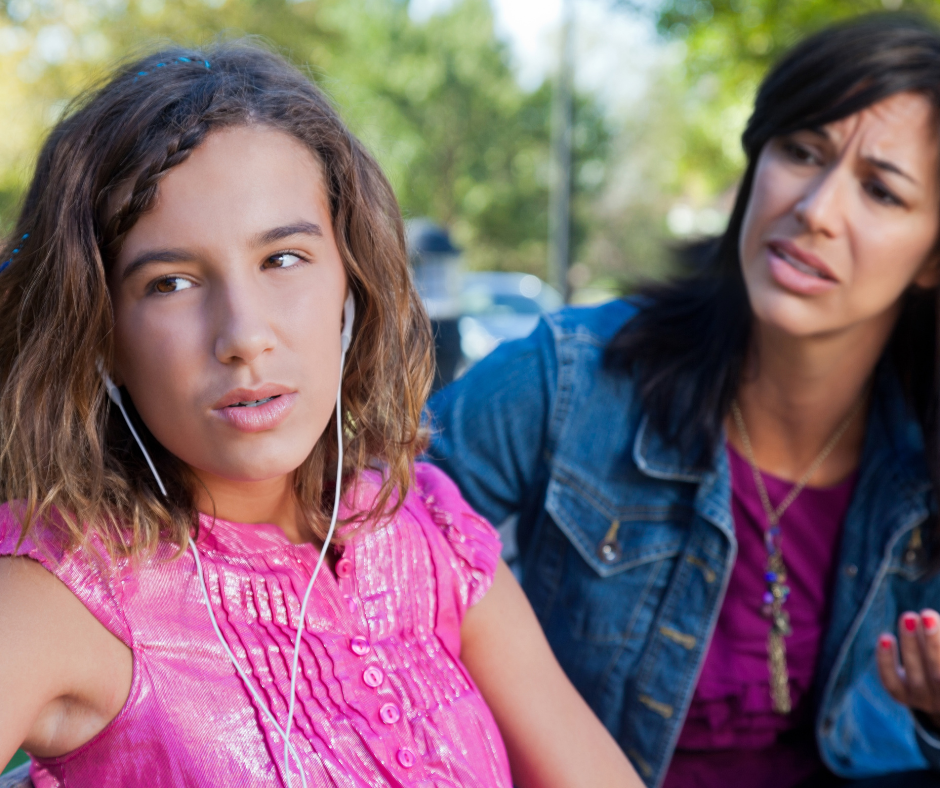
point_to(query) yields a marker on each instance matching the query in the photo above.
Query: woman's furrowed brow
(287, 230)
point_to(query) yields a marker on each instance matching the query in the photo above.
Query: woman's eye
(171, 284)
(880, 194)
(283, 260)
(799, 153)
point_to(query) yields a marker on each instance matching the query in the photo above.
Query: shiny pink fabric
(383, 699)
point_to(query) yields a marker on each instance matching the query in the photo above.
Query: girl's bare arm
(553, 739)
(63, 676)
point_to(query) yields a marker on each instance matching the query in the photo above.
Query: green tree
(436, 101)
(730, 45)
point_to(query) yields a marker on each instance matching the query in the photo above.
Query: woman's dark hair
(686, 346)
(65, 453)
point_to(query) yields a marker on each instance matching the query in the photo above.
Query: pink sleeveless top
(382, 697)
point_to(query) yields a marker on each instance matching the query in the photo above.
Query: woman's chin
(797, 318)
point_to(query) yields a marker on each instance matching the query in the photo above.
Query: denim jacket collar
(892, 429)
(893, 443)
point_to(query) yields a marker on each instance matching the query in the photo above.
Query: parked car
(496, 306)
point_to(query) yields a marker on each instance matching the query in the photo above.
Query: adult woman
(764, 416)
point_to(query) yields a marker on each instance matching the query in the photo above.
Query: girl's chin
(246, 472)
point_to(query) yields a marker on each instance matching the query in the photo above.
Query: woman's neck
(796, 392)
(269, 501)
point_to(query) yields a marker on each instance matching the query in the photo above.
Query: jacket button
(343, 567)
(851, 570)
(360, 646)
(406, 758)
(609, 552)
(390, 713)
(373, 677)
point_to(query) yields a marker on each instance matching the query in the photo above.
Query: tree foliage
(730, 44)
(437, 101)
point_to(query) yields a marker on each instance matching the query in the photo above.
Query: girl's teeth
(254, 403)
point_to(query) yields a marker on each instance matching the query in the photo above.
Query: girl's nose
(244, 330)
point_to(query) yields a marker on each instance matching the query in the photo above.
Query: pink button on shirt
(382, 700)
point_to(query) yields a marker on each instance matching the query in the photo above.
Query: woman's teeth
(254, 403)
(798, 265)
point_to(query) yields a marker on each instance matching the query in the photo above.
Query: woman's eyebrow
(287, 230)
(888, 166)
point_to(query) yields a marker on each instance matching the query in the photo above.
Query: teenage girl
(221, 565)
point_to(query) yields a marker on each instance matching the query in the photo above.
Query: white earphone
(349, 314)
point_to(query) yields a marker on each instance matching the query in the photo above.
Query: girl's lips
(265, 416)
(792, 274)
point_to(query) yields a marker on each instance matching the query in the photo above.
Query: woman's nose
(244, 329)
(821, 209)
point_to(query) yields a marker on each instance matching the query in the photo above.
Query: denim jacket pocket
(622, 558)
(615, 536)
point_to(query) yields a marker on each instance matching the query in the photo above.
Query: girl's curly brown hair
(65, 454)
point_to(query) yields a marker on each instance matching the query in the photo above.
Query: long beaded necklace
(775, 573)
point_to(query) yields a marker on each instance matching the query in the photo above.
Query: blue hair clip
(15, 251)
(163, 65)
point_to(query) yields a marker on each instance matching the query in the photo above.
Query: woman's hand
(915, 679)
(552, 738)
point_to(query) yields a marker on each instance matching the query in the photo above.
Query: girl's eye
(880, 194)
(283, 260)
(171, 284)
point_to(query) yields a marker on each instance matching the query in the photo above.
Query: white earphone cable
(316, 571)
(261, 704)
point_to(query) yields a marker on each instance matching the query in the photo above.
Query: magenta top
(382, 698)
(731, 735)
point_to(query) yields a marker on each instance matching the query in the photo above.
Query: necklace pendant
(779, 676)
(781, 623)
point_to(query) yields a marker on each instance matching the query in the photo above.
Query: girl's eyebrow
(182, 255)
(155, 256)
(287, 230)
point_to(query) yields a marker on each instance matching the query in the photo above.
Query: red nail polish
(884, 641)
(930, 622)
(910, 622)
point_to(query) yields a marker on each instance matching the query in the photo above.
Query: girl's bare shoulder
(63, 675)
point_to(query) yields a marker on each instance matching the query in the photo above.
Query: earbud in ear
(349, 314)
(113, 391)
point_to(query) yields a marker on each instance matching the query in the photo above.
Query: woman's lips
(256, 415)
(797, 272)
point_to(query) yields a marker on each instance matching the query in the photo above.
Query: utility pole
(559, 211)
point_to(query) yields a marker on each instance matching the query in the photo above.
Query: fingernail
(884, 641)
(910, 622)
(930, 622)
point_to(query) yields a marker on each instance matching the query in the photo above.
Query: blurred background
(543, 150)
(569, 144)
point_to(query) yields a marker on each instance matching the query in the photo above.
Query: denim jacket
(627, 547)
